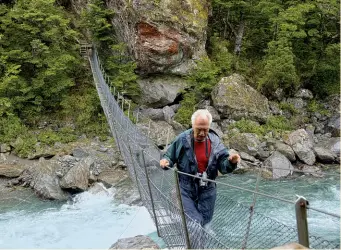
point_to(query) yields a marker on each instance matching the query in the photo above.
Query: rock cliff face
(164, 36)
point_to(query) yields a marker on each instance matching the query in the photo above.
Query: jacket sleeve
(224, 165)
(172, 153)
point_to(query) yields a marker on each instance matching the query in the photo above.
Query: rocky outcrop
(235, 99)
(42, 177)
(163, 36)
(160, 91)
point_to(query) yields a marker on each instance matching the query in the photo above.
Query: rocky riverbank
(59, 177)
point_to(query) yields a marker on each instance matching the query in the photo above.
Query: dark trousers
(199, 202)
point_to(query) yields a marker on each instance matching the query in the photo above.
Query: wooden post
(301, 220)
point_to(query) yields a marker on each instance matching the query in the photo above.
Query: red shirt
(200, 154)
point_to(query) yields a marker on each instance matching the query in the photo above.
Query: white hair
(202, 113)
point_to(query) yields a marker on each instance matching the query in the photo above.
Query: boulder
(324, 155)
(280, 165)
(137, 242)
(285, 149)
(245, 142)
(304, 94)
(332, 144)
(302, 144)
(159, 131)
(11, 170)
(160, 91)
(235, 99)
(77, 178)
(42, 177)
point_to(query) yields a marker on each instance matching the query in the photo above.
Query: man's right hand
(164, 163)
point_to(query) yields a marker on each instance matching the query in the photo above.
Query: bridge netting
(234, 225)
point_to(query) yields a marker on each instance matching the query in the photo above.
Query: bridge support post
(151, 194)
(302, 222)
(136, 179)
(182, 212)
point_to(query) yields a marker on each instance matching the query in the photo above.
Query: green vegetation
(274, 44)
(273, 124)
(201, 82)
(288, 107)
(316, 106)
(43, 77)
(291, 44)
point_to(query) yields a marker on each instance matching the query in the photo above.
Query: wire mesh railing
(232, 225)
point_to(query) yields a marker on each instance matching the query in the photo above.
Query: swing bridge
(234, 225)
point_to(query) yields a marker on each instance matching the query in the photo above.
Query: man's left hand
(234, 158)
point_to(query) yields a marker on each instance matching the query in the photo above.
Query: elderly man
(199, 151)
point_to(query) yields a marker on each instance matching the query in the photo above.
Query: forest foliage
(284, 44)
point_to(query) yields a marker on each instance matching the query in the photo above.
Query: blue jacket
(181, 152)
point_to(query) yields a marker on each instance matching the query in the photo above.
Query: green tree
(39, 56)
(279, 70)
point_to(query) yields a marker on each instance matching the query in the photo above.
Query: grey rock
(332, 144)
(11, 170)
(4, 148)
(79, 153)
(304, 94)
(280, 165)
(298, 103)
(302, 144)
(77, 178)
(137, 242)
(279, 94)
(333, 126)
(154, 114)
(234, 98)
(217, 129)
(168, 113)
(160, 91)
(245, 142)
(42, 177)
(286, 150)
(247, 157)
(324, 155)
